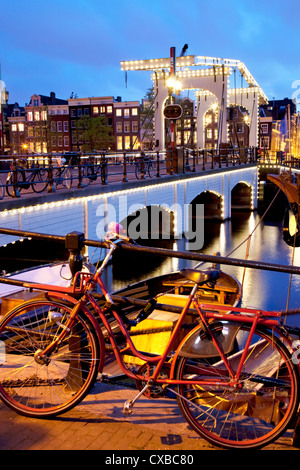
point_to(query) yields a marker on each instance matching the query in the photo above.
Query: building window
(109, 109)
(95, 110)
(135, 126)
(134, 111)
(119, 127)
(86, 112)
(73, 124)
(119, 142)
(126, 112)
(36, 115)
(44, 115)
(29, 116)
(240, 127)
(264, 128)
(135, 142)
(59, 126)
(216, 134)
(264, 142)
(127, 142)
(79, 112)
(60, 141)
(14, 127)
(208, 133)
(66, 141)
(102, 109)
(21, 127)
(53, 126)
(118, 112)
(73, 113)
(66, 126)
(126, 127)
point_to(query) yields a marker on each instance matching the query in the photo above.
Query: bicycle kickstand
(128, 405)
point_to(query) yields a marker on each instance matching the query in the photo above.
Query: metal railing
(50, 172)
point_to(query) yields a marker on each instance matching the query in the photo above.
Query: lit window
(109, 109)
(44, 115)
(21, 127)
(36, 115)
(102, 109)
(14, 127)
(208, 133)
(118, 112)
(134, 111)
(95, 110)
(29, 116)
(119, 142)
(127, 142)
(135, 141)
(216, 134)
(126, 112)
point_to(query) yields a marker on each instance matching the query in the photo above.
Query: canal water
(262, 289)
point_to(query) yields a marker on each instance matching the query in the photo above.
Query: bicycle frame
(82, 285)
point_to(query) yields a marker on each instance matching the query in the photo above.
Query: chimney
(52, 97)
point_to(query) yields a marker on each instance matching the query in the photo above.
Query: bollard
(125, 179)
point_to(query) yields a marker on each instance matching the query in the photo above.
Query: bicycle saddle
(200, 277)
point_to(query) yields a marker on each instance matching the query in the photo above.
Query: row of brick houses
(50, 124)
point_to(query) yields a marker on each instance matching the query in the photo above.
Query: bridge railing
(52, 172)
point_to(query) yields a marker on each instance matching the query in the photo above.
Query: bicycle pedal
(127, 408)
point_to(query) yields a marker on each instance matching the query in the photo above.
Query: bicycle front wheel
(253, 413)
(45, 388)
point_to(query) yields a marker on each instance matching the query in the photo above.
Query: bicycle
(90, 171)
(36, 177)
(62, 174)
(142, 167)
(234, 375)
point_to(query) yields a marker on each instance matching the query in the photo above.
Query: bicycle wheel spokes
(254, 412)
(45, 387)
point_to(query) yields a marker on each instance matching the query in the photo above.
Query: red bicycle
(235, 375)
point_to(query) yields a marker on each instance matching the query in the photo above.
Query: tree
(94, 133)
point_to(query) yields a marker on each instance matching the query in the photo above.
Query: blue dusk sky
(76, 46)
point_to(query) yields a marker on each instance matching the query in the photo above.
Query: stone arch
(242, 196)
(153, 222)
(213, 204)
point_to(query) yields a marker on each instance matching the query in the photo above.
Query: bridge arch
(242, 196)
(153, 222)
(213, 203)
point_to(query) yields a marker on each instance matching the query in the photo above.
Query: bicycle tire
(87, 175)
(150, 169)
(68, 178)
(138, 170)
(43, 390)
(9, 183)
(40, 180)
(2, 190)
(249, 417)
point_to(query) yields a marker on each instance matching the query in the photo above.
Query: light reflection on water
(264, 289)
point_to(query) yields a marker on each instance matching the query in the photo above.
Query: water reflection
(263, 289)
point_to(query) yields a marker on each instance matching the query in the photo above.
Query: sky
(76, 46)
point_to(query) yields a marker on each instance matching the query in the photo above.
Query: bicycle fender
(199, 344)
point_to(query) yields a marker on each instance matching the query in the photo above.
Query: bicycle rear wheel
(255, 412)
(40, 181)
(37, 388)
(150, 169)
